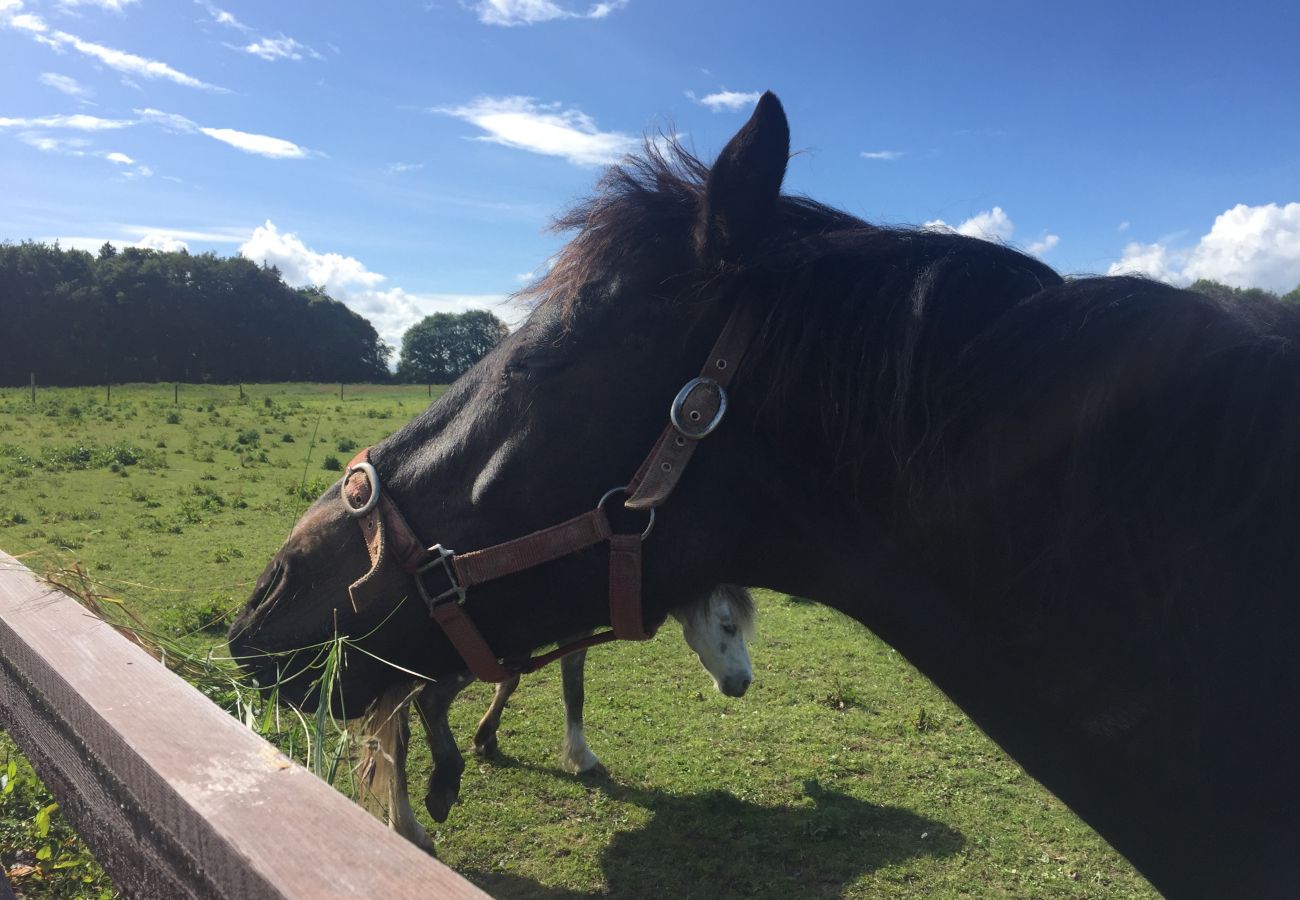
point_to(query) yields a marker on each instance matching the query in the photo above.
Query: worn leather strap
(469, 643)
(663, 468)
(625, 588)
(531, 550)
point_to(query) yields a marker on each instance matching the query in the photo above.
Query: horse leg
(577, 757)
(485, 736)
(383, 766)
(444, 781)
(400, 816)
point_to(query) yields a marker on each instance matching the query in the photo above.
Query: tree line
(145, 315)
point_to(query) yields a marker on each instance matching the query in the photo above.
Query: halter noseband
(443, 577)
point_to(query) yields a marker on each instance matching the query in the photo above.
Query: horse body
(1073, 505)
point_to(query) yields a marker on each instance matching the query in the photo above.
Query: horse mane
(743, 609)
(847, 291)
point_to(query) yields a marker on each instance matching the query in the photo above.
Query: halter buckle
(368, 470)
(442, 558)
(687, 421)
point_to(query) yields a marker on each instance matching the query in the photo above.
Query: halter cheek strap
(443, 577)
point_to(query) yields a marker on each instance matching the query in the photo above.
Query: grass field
(843, 772)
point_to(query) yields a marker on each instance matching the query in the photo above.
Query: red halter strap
(442, 577)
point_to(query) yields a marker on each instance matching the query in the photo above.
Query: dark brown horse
(1074, 505)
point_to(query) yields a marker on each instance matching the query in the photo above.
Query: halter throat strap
(443, 577)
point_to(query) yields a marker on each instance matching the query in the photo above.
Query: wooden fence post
(33, 387)
(176, 394)
(175, 797)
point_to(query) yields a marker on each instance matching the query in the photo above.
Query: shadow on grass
(713, 845)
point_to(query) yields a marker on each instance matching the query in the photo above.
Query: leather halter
(442, 577)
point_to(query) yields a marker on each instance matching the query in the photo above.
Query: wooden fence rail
(174, 797)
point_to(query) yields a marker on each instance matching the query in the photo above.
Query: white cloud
(152, 237)
(131, 64)
(1044, 244)
(47, 144)
(995, 225)
(302, 265)
(221, 17)
(76, 122)
(111, 5)
(525, 124)
(531, 12)
(888, 155)
(398, 168)
(119, 158)
(282, 47)
(722, 101)
(1122, 226)
(120, 60)
(990, 225)
(66, 84)
(260, 144)
(167, 243)
(347, 279)
(1248, 246)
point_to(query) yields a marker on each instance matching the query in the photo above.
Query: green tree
(1293, 296)
(1220, 291)
(440, 348)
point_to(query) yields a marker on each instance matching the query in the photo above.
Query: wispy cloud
(726, 101)
(120, 158)
(111, 5)
(530, 12)
(221, 17)
(400, 167)
(270, 49)
(888, 155)
(1122, 226)
(47, 144)
(282, 47)
(259, 144)
(545, 128)
(66, 84)
(119, 60)
(76, 122)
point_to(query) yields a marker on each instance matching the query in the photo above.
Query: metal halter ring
(358, 511)
(692, 431)
(625, 489)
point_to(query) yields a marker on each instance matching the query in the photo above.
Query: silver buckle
(692, 430)
(358, 511)
(441, 557)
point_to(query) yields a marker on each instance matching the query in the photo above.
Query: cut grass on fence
(843, 772)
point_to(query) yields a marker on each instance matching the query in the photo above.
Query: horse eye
(729, 629)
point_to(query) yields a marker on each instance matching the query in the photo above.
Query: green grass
(843, 772)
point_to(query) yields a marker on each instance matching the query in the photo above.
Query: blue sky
(409, 155)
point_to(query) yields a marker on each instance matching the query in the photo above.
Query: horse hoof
(596, 771)
(486, 749)
(440, 802)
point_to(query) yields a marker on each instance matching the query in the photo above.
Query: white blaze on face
(717, 635)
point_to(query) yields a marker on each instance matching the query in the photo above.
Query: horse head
(559, 414)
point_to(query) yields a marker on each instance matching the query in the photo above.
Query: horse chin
(733, 685)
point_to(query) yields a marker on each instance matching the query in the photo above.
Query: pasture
(842, 772)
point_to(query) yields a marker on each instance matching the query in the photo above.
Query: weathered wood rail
(174, 797)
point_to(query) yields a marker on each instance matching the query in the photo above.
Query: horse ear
(743, 185)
